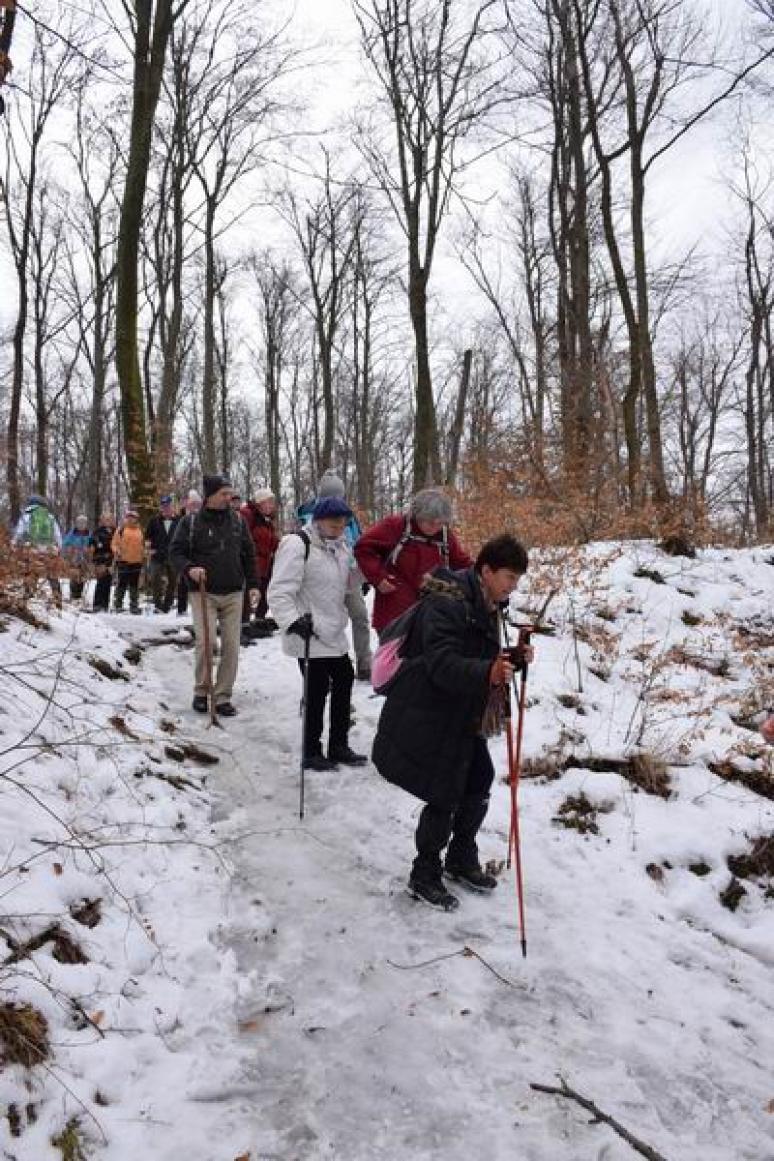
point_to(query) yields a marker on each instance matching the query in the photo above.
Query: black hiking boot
(433, 893)
(346, 756)
(319, 762)
(472, 877)
(200, 703)
(225, 710)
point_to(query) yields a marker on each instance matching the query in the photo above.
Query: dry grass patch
(23, 1035)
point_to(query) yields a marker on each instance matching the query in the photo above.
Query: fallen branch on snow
(598, 1116)
(467, 953)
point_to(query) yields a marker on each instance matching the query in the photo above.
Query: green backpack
(40, 528)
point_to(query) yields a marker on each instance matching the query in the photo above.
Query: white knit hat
(263, 494)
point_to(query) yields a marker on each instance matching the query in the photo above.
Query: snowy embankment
(306, 1007)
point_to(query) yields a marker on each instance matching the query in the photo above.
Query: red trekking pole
(514, 769)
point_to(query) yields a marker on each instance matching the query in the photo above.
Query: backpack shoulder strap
(445, 545)
(304, 535)
(404, 536)
(191, 518)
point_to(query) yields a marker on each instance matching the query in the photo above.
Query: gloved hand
(501, 672)
(303, 627)
(520, 655)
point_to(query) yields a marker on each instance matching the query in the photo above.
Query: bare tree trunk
(422, 53)
(151, 35)
(455, 436)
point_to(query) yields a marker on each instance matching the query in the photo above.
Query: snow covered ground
(260, 987)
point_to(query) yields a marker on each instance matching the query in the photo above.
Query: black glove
(303, 627)
(516, 657)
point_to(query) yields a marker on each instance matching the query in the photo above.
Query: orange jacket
(128, 545)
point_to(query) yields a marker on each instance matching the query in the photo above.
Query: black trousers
(182, 595)
(102, 591)
(334, 674)
(457, 826)
(77, 584)
(128, 577)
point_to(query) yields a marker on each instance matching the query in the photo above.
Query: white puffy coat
(318, 585)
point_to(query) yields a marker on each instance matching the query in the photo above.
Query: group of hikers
(449, 692)
(120, 555)
(444, 662)
(450, 686)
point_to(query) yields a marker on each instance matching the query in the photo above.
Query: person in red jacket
(397, 553)
(258, 514)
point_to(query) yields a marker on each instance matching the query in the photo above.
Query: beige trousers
(224, 610)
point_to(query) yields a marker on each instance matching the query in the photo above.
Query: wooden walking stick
(208, 653)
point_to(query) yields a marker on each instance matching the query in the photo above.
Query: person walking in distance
(158, 538)
(213, 547)
(447, 697)
(307, 594)
(259, 516)
(39, 531)
(396, 554)
(101, 550)
(75, 550)
(191, 505)
(128, 548)
(331, 485)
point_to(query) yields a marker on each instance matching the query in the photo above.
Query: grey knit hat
(431, 504)
(330, 485)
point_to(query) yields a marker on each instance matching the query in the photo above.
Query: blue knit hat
(331, 507)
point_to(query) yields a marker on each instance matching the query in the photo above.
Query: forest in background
(197, 277)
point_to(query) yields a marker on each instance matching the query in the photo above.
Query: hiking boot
(363, 671)
(319, 762)
(346, 756)
(433, 893)
(225, 710)
(200, 703)
(135, 610)
(472, 877)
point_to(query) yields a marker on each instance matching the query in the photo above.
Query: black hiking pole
(304, 708)
(303, 626)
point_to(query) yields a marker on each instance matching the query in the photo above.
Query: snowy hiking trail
(657, 1004)
(297, 1038)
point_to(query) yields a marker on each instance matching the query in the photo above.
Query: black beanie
(213, 484)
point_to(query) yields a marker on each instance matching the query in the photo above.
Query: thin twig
(570, 1094)
(410, 967)
(466, 952)
(509, 983)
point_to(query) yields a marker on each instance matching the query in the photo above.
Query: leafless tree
(323, 230)
(53, 67)
(151, 25)
(438, 87)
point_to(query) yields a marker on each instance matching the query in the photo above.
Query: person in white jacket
(312, 577)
